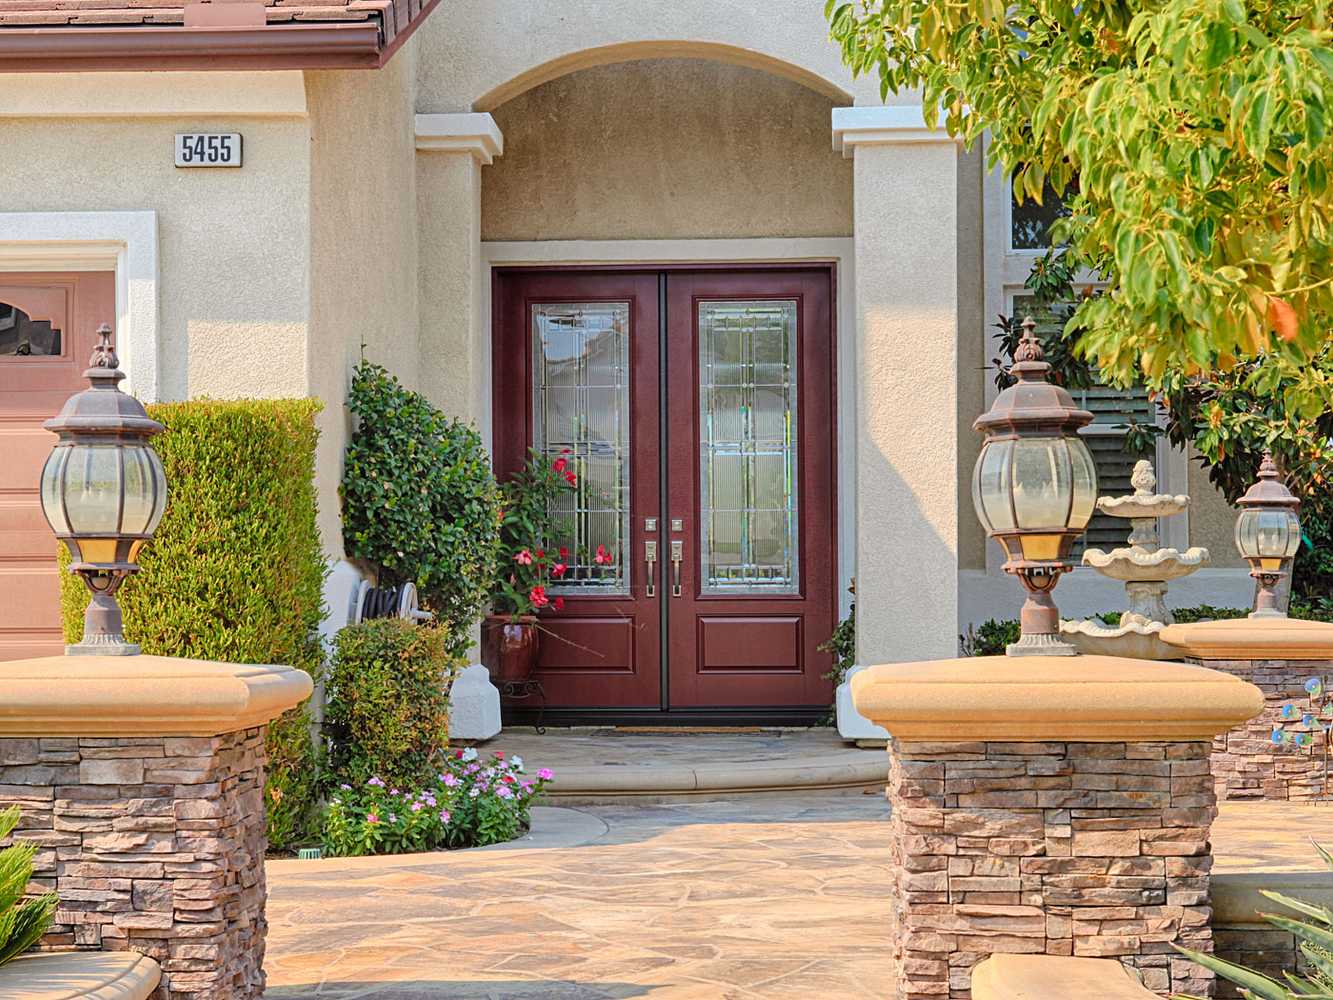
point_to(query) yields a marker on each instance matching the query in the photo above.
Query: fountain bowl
(1132, 565)
(1135, 637)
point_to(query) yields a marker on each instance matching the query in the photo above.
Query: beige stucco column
(906, 335)
(453, 297)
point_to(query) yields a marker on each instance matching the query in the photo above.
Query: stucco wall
(658, 149)
(484, 52)
(972, 337)
(233, 244)
(1212, 519)
(363, 247)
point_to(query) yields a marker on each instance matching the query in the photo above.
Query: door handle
(677, 554)
(650, 557)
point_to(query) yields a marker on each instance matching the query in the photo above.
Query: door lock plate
(677, 524)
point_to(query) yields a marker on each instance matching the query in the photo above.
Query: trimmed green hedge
(236, 570)
(387, 710)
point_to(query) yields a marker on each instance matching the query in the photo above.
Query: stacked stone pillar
(1050, 806)
(141, 780)
(1277, 655)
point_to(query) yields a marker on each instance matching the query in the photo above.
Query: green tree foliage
(1190, 140)
(387, 713)
(236, 570)
(420, 501)
(22, 924)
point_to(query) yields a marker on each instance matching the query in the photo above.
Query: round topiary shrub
(387, 709)
(420, 502)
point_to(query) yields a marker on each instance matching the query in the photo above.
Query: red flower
(499, 755)
(537, 595)
(566, 451)
(508, 779)
(459, 755)
(571, 478)
(541, 554)
(559, 464)
(602, 558)
(558, 604)
(564, 552)
(524, 558)
(558, 570)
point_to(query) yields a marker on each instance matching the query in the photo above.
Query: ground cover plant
(236, 571)
(469, 802)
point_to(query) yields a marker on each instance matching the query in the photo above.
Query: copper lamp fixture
(1268, 534)
(1035, 488)
(103, 493)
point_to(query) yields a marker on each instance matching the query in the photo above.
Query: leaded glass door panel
(576, 377)
(750, 476)
(702, 436)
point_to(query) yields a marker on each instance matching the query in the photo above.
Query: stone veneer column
(906, 239)
(141, 780)
(1278, 655)
(1049, 805)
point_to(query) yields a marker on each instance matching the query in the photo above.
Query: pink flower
(558, 570)
(503, 792)
(558, 604)
(444, 816)
(537, 595)
(546, 774)
(373, 819)
(602, 557)
(524, 558)
(571, 478)
(499, 755)
(450, 781)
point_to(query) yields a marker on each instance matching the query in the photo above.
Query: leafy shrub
(387, 709)
(467, 804)
(236, 571)
(1316, 943)
(528, 560)
(420, 501)
(990, 638)
(21, 924)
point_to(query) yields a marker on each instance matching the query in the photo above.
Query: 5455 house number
(208, 149)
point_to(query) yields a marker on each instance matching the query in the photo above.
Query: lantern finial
(1029, 346)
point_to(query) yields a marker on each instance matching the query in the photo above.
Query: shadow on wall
(433, 989)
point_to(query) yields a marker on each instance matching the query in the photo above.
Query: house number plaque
(208, 149)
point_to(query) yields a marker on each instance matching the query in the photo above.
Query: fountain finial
(1143, 479)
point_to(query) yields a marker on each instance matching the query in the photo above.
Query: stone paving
(757, 898)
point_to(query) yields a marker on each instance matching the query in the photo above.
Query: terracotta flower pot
(509, 648)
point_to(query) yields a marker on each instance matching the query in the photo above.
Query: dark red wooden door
(576, 368)
(703, 436)
(750, 412)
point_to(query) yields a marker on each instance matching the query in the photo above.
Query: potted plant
(528, 566)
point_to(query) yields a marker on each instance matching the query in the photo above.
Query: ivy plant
(1189, 139)
(420, 502)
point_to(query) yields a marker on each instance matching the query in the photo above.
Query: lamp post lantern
(1035, 488)
(1268, 533)
(103, 493)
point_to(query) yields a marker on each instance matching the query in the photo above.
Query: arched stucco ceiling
(476, 54)
(629, 51)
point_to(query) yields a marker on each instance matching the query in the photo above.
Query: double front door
(697, 410)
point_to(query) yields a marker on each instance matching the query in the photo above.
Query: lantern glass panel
(990, 486)
(1085, 483)
(92, 489)
(1043, 483)
(1267, 533)
(144, 492)
(52, 476)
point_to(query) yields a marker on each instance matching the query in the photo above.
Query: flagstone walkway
(766, 898)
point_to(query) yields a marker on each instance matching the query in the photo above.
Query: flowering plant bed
(469, 803)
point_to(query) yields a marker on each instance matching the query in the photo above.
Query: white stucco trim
(839, 251)
(883, 125)
(278, 93)
(123, 242)
(470, 132)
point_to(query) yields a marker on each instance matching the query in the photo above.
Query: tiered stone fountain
(1145, 567)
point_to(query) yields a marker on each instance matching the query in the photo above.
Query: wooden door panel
(738, 403)
(583, 346)
(33, 388)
